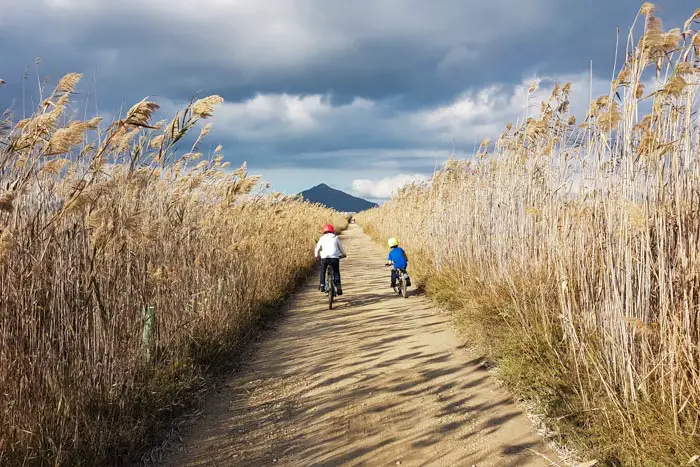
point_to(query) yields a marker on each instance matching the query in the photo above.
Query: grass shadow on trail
(377, 380)
(362, 300)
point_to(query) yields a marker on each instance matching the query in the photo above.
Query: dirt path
(381, 380)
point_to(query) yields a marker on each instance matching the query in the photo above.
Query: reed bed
(571, 253)
(128, 266)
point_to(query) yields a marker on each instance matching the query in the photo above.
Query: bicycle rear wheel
(330, 286)
(402, 288)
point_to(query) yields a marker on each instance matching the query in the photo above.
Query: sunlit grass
(571, 251)
(100, 228)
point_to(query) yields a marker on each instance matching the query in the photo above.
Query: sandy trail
(381, 380)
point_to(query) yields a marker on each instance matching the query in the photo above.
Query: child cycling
(399, 259)
(330, 251)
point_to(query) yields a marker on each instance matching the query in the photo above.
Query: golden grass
(572, 254)
(94, 233)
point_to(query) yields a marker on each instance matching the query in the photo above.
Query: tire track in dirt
(379, 380)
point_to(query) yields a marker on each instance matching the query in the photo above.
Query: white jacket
(329, 246)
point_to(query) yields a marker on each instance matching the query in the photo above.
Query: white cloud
(377, 136)
(269, 116)
(297, 114)
(474, 115)
(483, 113)
(279, 117)
(386, 187)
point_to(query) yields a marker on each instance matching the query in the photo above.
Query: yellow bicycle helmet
(393, 241)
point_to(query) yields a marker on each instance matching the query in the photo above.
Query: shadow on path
(378, 380)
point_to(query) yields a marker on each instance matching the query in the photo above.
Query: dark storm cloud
(420, 66)
(370, 49)
(425, 53)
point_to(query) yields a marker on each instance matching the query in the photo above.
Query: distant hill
(336, 199)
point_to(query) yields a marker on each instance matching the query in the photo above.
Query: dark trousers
(335, 264)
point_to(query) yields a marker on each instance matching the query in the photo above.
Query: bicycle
(331, 288)
(401, 285)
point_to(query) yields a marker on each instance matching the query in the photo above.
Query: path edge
(269, 317)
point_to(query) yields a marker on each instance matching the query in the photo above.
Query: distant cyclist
(330, 250)
(399, 259)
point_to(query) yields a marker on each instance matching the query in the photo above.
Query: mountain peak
(336, 199)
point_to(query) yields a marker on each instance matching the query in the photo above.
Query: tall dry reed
(126, 268)
(575, 250)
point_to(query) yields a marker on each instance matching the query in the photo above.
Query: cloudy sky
(362, 95)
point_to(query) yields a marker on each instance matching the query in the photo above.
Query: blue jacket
(398, 257)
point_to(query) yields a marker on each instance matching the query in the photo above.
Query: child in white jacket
(330, 251)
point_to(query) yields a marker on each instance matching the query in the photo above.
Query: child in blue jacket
(399, 259)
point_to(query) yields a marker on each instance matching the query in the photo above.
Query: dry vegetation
(572, 253)
(125, 271)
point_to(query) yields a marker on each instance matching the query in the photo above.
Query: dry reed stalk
(583, 243)
(93, 234)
